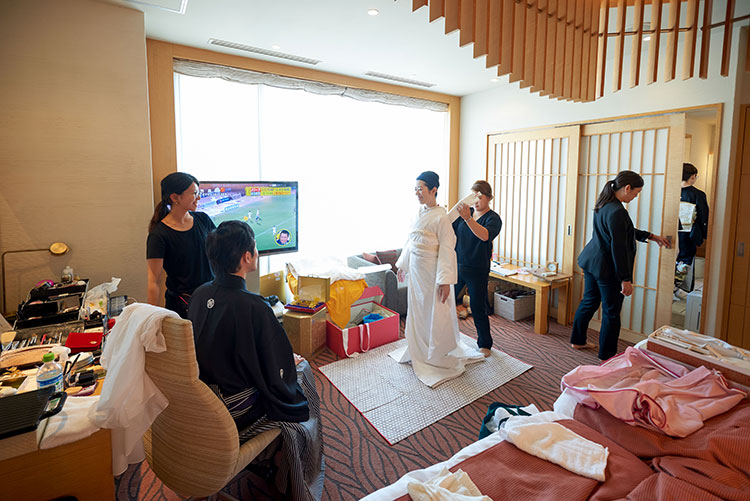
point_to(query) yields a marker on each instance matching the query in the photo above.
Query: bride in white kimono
(428, 262)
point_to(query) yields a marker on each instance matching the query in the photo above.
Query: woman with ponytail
(177, 243)
(607, 263)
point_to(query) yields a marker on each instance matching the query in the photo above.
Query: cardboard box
(306, 331)
(362, 338)
(694, 359)
(514, 309)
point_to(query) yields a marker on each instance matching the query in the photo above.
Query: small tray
(305, 309)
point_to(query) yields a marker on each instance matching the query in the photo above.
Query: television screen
(270, 208)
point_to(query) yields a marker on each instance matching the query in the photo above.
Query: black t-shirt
(471, 251)
(183, 252)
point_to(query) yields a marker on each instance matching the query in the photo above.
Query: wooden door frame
(735, 171)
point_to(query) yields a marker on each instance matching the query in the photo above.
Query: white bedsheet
(399, 488)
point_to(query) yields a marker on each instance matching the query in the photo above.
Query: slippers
(587, 346)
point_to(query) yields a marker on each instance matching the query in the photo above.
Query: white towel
(446, 486)
(540, 436)
(130, 401)
(72, 423)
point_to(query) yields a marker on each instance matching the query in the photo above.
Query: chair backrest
(193, 445)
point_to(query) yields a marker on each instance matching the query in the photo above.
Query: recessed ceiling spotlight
(276, 47)
(493, 80)
(373, 12)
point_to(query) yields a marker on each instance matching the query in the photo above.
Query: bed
(711, 463)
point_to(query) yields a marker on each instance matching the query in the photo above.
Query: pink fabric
(651, 391)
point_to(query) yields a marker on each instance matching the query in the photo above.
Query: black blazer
(610, 253)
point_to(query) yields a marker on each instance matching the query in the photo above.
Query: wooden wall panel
(452, 15)
(705, 38)
(519, 41)
(691, 36)
(601, 54)
(466, 23)
(635, 51)
(652, 74)
(727, 46)
(619, 47)
(672, 39)
(481, 27)
(506, 38)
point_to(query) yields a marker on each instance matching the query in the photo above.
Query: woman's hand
(400, 275)
(627, 289)
(463, 211)
(443, 291)
(661, 241)
(298, 359)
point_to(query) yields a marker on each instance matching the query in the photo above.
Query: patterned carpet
(359, 460)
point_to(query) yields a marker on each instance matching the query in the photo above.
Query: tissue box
(361, 338)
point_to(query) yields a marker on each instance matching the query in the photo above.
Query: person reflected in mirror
(607, 263)
(693, 220)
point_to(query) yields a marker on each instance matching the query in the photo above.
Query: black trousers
(476, 285)
(178, 303)
(607, 294)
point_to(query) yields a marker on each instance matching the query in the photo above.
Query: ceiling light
(373, 12)
(493, 80)
(276, 47)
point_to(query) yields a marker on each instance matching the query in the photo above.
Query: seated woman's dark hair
(623, 178)
(226, 245)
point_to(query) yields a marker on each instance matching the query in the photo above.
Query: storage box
(514, 309)
(690, 357)
(361, 338)
(306, 331)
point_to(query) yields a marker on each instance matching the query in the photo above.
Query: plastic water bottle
(67, 274)
(50, 374)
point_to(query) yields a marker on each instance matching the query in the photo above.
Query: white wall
(508, 107)
(75, 159)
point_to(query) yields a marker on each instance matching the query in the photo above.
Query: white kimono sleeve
(447, 269)
(403, 260)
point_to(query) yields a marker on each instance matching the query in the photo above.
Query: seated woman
(244, 354)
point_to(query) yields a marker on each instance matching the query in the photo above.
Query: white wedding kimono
(429, 259)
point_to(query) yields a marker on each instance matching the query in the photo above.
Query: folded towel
(72, 423)
(446, 486)
(540, 436)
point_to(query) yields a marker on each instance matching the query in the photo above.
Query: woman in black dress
(177, 243)
(607, 263)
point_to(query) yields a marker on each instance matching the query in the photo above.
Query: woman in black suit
(607, 263)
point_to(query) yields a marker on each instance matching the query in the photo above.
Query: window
(355, 161)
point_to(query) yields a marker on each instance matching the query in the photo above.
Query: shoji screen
(653, 147)
(535, 195)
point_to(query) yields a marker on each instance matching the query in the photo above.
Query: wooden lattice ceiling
(556, 47)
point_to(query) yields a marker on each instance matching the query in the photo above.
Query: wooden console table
(542, 288)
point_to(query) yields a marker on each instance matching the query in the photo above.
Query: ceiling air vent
(264, 52)
(395, 78)
(177, 6)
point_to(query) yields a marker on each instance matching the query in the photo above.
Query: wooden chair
(193, 445)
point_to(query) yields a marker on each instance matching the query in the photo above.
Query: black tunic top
(240, 344)
(183, 252)
(610, 253)
(699, 232)
(471, 251)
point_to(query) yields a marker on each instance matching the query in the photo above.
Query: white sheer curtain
(355, 161)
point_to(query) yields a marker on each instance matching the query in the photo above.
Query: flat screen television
(269, 207)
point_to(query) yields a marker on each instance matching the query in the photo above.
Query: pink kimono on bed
(647, 390)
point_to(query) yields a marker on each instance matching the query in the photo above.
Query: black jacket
(700, 227)
(610, 253)
(239, 344)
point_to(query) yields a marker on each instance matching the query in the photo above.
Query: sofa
(394, 293)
